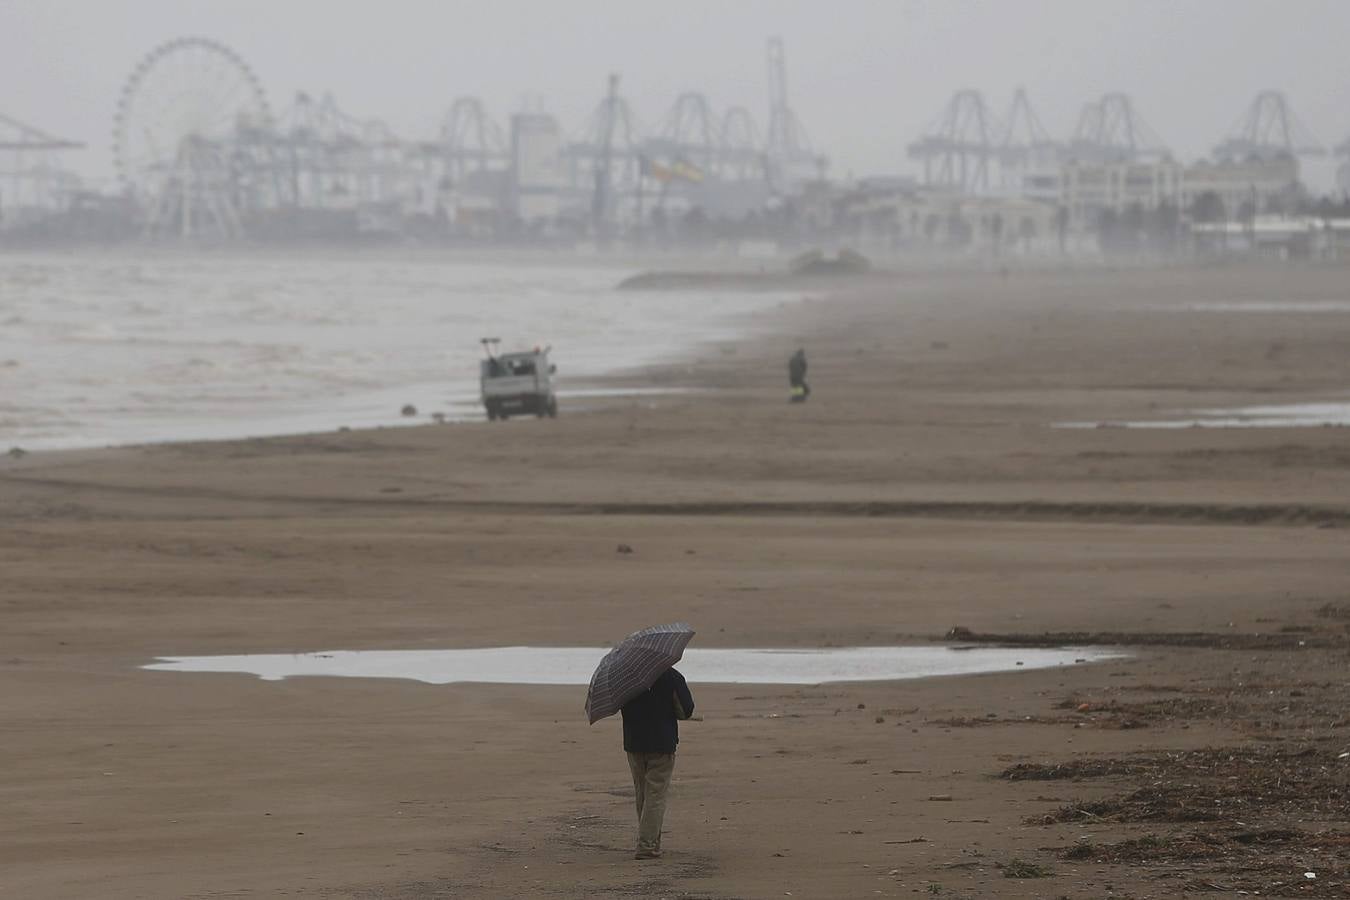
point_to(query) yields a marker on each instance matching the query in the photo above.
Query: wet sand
(920, 489)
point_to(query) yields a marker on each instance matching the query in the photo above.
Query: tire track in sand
(1269, 514)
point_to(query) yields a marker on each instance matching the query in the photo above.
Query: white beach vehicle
(515, 384)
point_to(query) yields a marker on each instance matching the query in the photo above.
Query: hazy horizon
(864, 77)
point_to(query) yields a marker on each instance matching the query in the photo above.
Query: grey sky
(865, 76)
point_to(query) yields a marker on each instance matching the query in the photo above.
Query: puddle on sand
(1288, 415)
(1267, 306)
(574, 665)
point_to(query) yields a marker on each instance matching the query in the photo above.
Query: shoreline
(602, 387)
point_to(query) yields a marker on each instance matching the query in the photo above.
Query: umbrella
(633, 666)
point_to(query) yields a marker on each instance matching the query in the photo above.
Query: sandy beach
(926, 486)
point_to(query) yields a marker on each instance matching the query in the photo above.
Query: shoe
(647, 854)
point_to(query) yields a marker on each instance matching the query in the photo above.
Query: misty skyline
(864, 77)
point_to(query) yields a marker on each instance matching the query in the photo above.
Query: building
(885, 216)
(1275, 237)
(1087, 190)
(1255, 186)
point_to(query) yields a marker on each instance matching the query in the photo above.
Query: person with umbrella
(639, 679)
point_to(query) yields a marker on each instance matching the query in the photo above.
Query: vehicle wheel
(492, 413)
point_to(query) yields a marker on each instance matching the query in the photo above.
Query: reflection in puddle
(1288, 415)
(574, 665)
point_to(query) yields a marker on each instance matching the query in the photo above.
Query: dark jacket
(650, 719)
(797, 368)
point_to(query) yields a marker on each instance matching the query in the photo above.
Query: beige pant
(651, 779)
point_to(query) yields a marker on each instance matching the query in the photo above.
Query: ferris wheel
(183, 104)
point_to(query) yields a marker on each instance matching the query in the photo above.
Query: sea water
(139, 347)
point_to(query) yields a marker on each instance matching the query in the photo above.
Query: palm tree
(1208, 207)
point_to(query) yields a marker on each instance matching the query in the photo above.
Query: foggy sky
(865, 76)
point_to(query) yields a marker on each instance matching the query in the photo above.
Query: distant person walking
(797, 376)
(651, 732)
